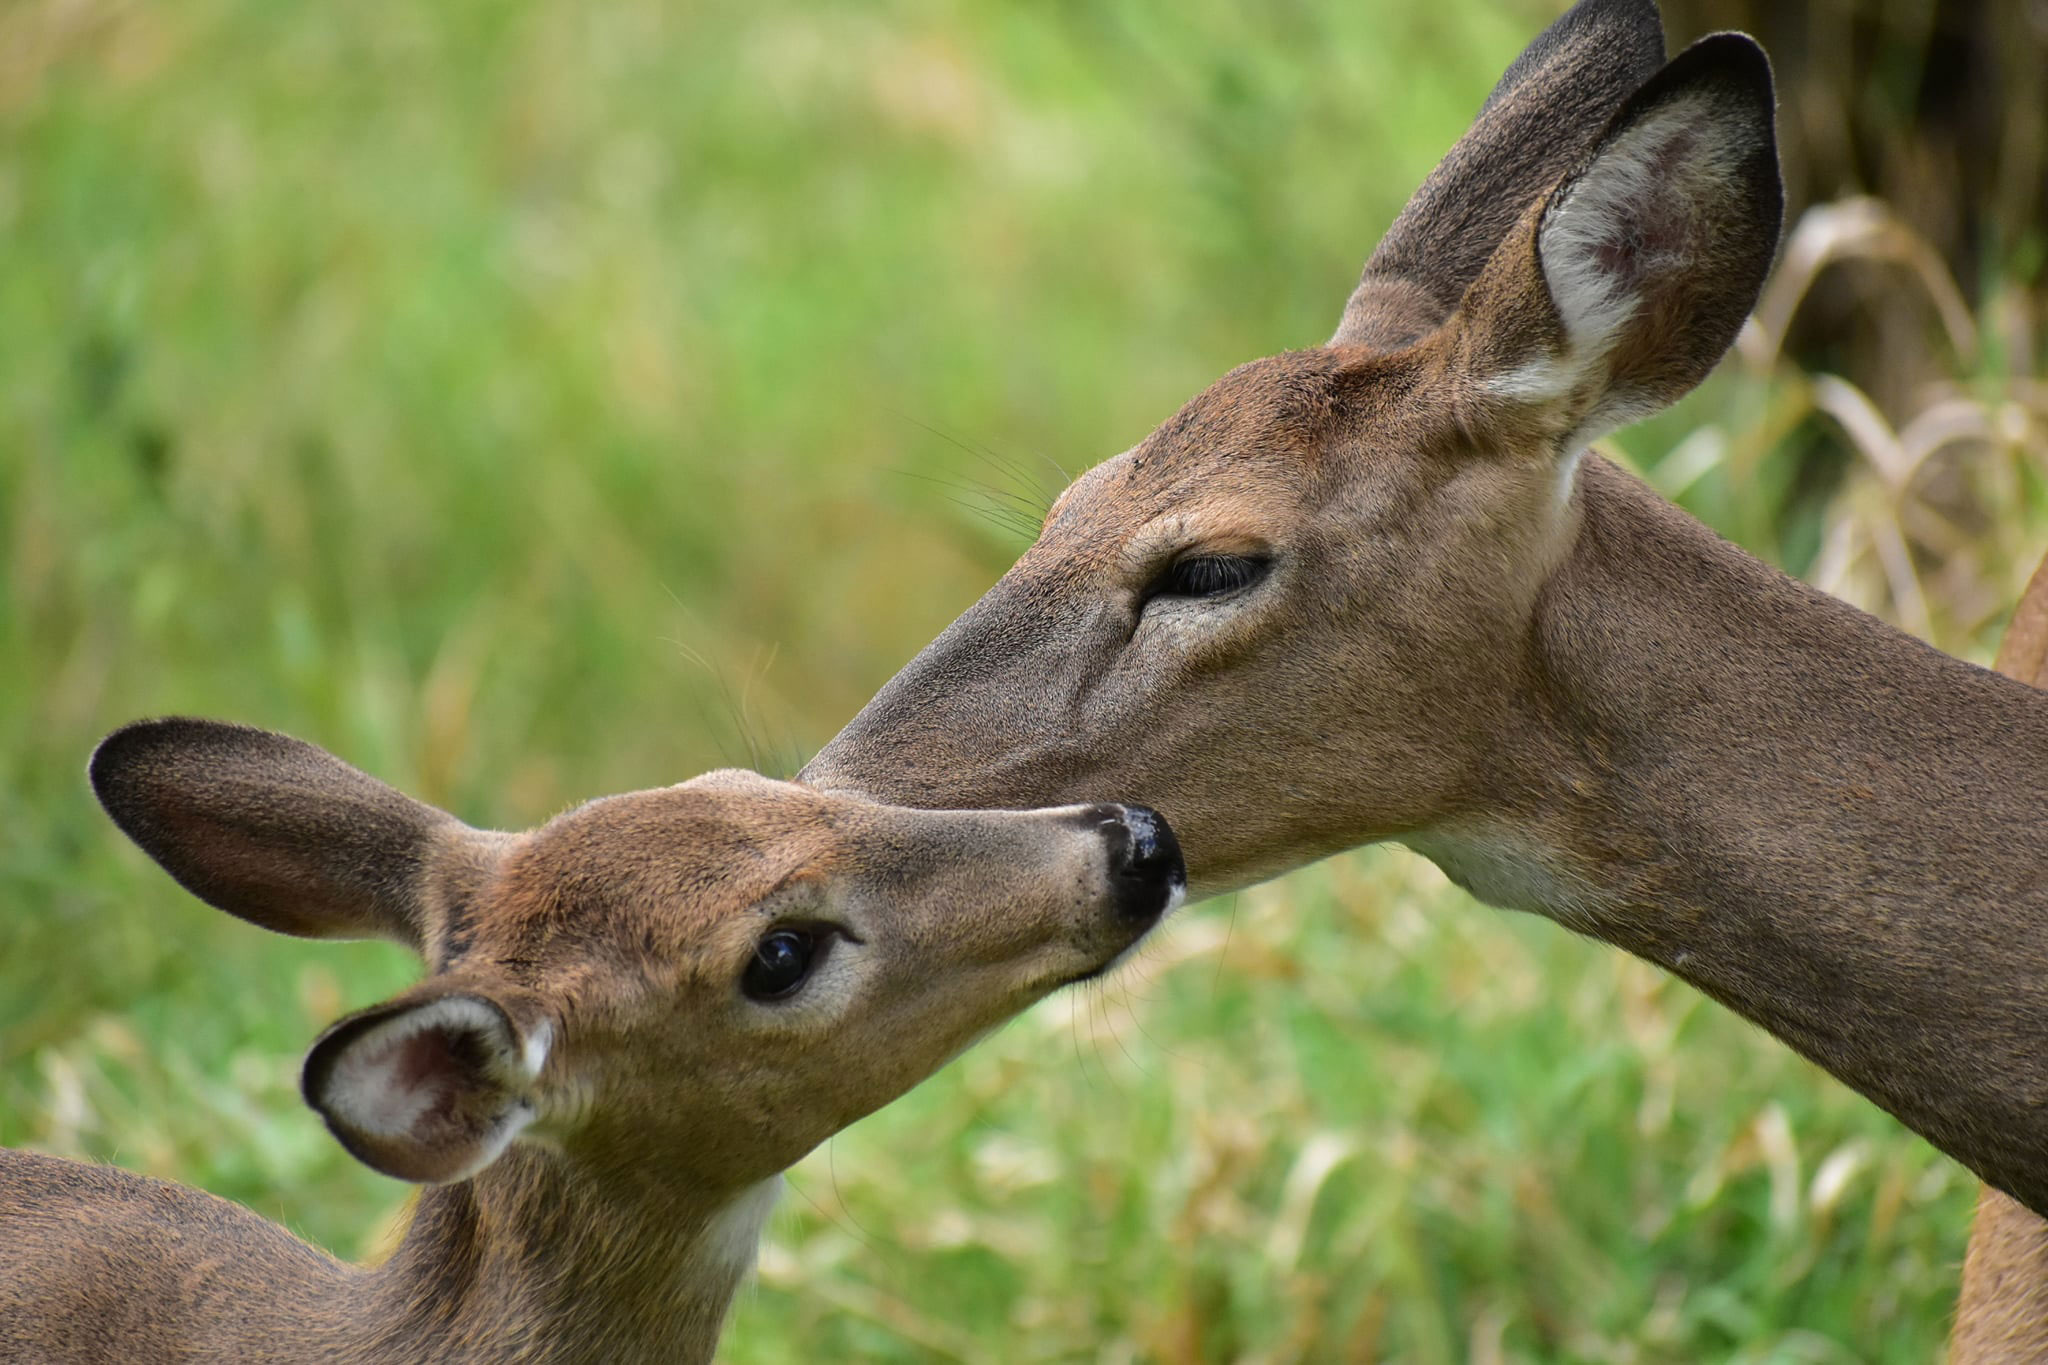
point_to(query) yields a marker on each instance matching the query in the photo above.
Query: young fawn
(635, 1018)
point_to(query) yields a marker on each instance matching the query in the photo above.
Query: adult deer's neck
(1829, 826)
(534, 1260)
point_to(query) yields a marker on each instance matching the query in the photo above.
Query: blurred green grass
(532, 402)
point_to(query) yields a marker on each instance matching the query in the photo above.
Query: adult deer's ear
(1622, 289)
(281, 833)
(1547, 110)
(430, 1087)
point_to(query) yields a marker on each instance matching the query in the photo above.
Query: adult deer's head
(1296, 617)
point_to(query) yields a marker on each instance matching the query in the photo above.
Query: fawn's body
(636, 1017)
(534, 1261)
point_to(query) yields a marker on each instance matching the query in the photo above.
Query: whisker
(1229, 933)
(839, 1195)
(844, 1224)
(1080, 1060)
(1117, 1034)
(976, 500)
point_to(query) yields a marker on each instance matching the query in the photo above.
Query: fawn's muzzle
(1146, 873)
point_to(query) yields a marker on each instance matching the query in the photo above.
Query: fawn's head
(1308, 596)
(707, 979)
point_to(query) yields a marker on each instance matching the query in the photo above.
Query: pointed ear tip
(1642, 15)
(119, 744)
(109, 758)
(114, 759)
(139, 738)
(1733, 57)
(117, 758)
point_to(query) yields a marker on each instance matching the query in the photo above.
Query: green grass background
(534, 401)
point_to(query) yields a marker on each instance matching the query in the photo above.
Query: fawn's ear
(276, 831)
(1624, 287)
(430, 1087)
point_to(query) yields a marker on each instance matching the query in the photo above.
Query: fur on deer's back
(122, 1246)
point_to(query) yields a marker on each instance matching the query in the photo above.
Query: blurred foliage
(1939, 107)
(1913, 300)
(530, 402)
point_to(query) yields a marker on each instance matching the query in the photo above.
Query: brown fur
(2002, 1314)
(1525, 664)
(1571, 79)
(596, 965)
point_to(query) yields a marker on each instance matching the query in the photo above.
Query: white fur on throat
(733, 1239)
(1504, 869)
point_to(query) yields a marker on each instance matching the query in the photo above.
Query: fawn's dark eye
(781, 963)
(1208, 576)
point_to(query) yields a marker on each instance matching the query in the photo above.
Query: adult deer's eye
(781, 963)
(1208, 576)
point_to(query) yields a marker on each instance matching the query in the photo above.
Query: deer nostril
(1145, 867)
(1153, 849)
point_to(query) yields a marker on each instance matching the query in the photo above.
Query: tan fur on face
(1511, 655)
(599, 1106)
(1373, 484)
(630, 920)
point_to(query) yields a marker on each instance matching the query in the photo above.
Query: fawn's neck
(1818, 820)
(536, 1260)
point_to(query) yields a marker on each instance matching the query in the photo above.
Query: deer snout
(1146, 874)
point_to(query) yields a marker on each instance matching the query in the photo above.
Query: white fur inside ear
(534, 1055)
(1541, 380)
(1633, 217)
(411, 1073)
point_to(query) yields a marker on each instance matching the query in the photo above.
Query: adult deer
(637, 1016)
(1377, 590)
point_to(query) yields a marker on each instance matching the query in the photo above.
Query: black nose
(1145, 867)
